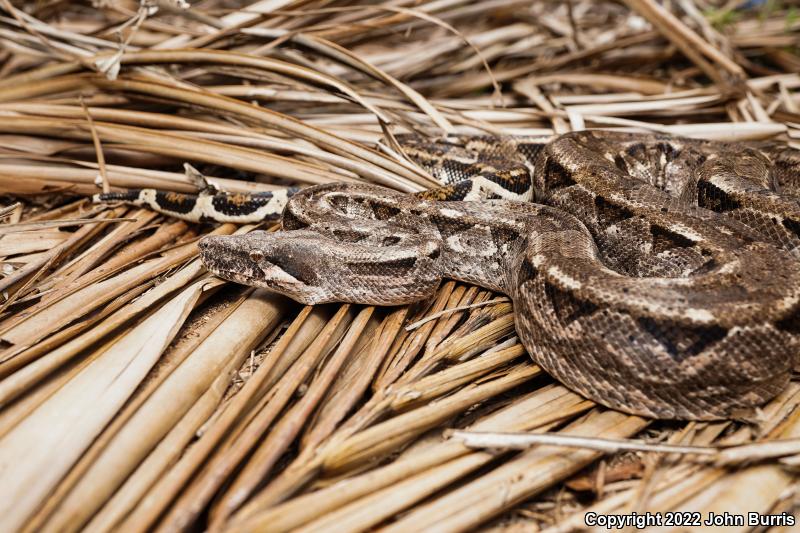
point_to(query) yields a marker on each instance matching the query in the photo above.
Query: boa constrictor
(659, 276)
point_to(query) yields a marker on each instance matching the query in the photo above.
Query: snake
(652, 274)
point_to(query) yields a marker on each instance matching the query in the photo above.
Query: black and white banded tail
(237, 208)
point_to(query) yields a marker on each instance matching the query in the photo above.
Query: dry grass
(138, 392)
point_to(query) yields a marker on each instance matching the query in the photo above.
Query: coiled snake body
(658, 276)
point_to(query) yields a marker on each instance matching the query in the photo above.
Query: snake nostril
(256, 255)
(205, 243)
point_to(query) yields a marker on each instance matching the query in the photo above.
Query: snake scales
(656, 275)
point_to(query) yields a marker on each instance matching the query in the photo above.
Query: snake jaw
(277, 275)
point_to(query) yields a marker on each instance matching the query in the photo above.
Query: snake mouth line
(223, 273)
(231, 275)
(272, 273)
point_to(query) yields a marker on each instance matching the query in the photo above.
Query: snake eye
(256, 255)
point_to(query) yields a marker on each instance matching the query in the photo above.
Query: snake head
(312, 267)
(268, 260)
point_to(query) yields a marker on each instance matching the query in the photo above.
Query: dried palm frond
(138, 393)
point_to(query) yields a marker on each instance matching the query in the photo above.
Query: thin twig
(444, 312)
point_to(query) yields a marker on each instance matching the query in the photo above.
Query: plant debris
(139, 393)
